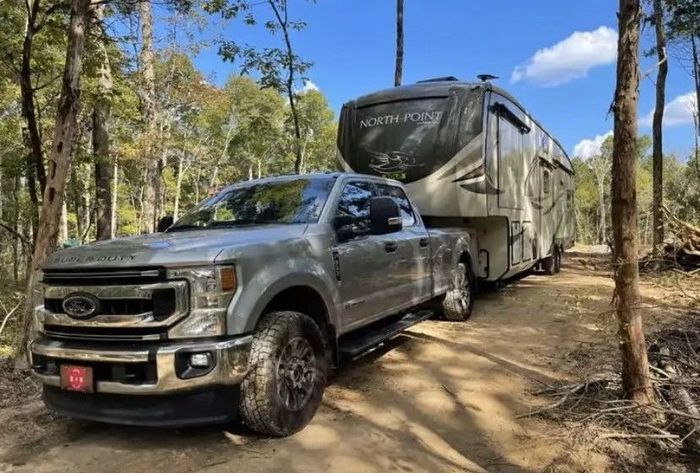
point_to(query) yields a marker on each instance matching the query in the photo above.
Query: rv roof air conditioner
(439, 79)
(486, 77)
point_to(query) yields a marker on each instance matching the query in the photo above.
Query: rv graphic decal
(481, 186)
(391, 162)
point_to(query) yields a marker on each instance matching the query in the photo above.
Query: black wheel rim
(296, 373)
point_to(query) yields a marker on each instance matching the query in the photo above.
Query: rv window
(546, 181)
(401, 200)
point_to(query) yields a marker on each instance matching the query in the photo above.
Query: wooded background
(153, 136)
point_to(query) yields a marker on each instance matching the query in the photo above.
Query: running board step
(357, 343)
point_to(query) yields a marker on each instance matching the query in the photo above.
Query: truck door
(412, 271)
(363, 263)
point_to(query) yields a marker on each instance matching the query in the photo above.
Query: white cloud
(570, 58)
(308, 85)
(587, 148)
(678, 111)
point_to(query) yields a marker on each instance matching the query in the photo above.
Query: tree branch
(17, 235)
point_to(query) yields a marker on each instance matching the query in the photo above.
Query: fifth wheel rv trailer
(470, 156)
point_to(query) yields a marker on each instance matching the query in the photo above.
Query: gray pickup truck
(244, 304)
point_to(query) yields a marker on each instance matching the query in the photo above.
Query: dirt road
(443, 397)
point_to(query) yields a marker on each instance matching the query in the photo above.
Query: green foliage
(206, 135)
(593, 176)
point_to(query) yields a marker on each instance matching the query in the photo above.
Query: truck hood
(170, 249)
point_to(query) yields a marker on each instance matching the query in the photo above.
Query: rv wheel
(558, 260)
(551, 264)
(457, 304)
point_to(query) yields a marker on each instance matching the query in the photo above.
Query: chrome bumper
(230, 356)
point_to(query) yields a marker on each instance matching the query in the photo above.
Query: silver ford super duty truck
(244, 304)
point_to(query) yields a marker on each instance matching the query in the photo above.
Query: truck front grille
(103, 276)
(131, 304)
(162, 304)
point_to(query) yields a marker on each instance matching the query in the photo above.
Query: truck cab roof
(316, 175)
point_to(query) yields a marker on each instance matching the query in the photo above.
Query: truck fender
(245, 311)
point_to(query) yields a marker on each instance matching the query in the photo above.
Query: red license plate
(77, 378)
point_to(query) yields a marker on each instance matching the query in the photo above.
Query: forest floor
(442, 397)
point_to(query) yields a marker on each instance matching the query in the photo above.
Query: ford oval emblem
(81, 306)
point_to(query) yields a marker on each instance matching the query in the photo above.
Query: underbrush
(662, 437)
(11, 307)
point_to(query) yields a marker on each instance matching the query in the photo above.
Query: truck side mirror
(344, 226)
(384, 216)
(164, 223)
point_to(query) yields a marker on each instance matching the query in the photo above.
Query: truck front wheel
(287, 374)
(458, 303)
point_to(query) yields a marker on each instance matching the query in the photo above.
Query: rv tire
(551, 264)
(458, 303)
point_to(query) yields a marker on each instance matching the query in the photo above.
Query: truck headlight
(211, 291)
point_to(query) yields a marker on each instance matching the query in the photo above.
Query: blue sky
(567, 86)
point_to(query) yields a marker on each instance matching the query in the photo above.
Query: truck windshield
(282, 202)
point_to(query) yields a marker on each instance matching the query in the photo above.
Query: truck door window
(401, 200)
(354, 202)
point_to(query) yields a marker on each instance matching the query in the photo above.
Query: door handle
(424, 242)
(390, 246)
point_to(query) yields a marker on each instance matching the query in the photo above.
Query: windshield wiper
(185, 227)
(221, 224)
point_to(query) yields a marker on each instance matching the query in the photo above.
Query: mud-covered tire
(277, 397)
(557, 262)
(458, 303)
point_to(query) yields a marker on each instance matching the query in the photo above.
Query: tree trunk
(84, 213)
(178, 187)
(602, 226)
(100, 142)
(635, 367)
(115, 191)
(33, 136)
(657, 131)
(696, 78)
(63, 225)
(59, 162)
(148, 111)
(398, 72)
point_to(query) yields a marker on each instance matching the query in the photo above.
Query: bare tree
(398, 72)
(59, 159)
(657, 128)
(279, 68)
(280, 8)
(635, 366)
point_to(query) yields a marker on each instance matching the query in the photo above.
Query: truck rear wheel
(287, 374)
(458, 303)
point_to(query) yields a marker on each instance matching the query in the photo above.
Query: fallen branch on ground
(674, 420)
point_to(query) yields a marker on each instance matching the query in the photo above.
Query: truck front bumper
(144, 370)
(145, 385)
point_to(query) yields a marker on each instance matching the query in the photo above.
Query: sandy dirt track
(442, 397)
